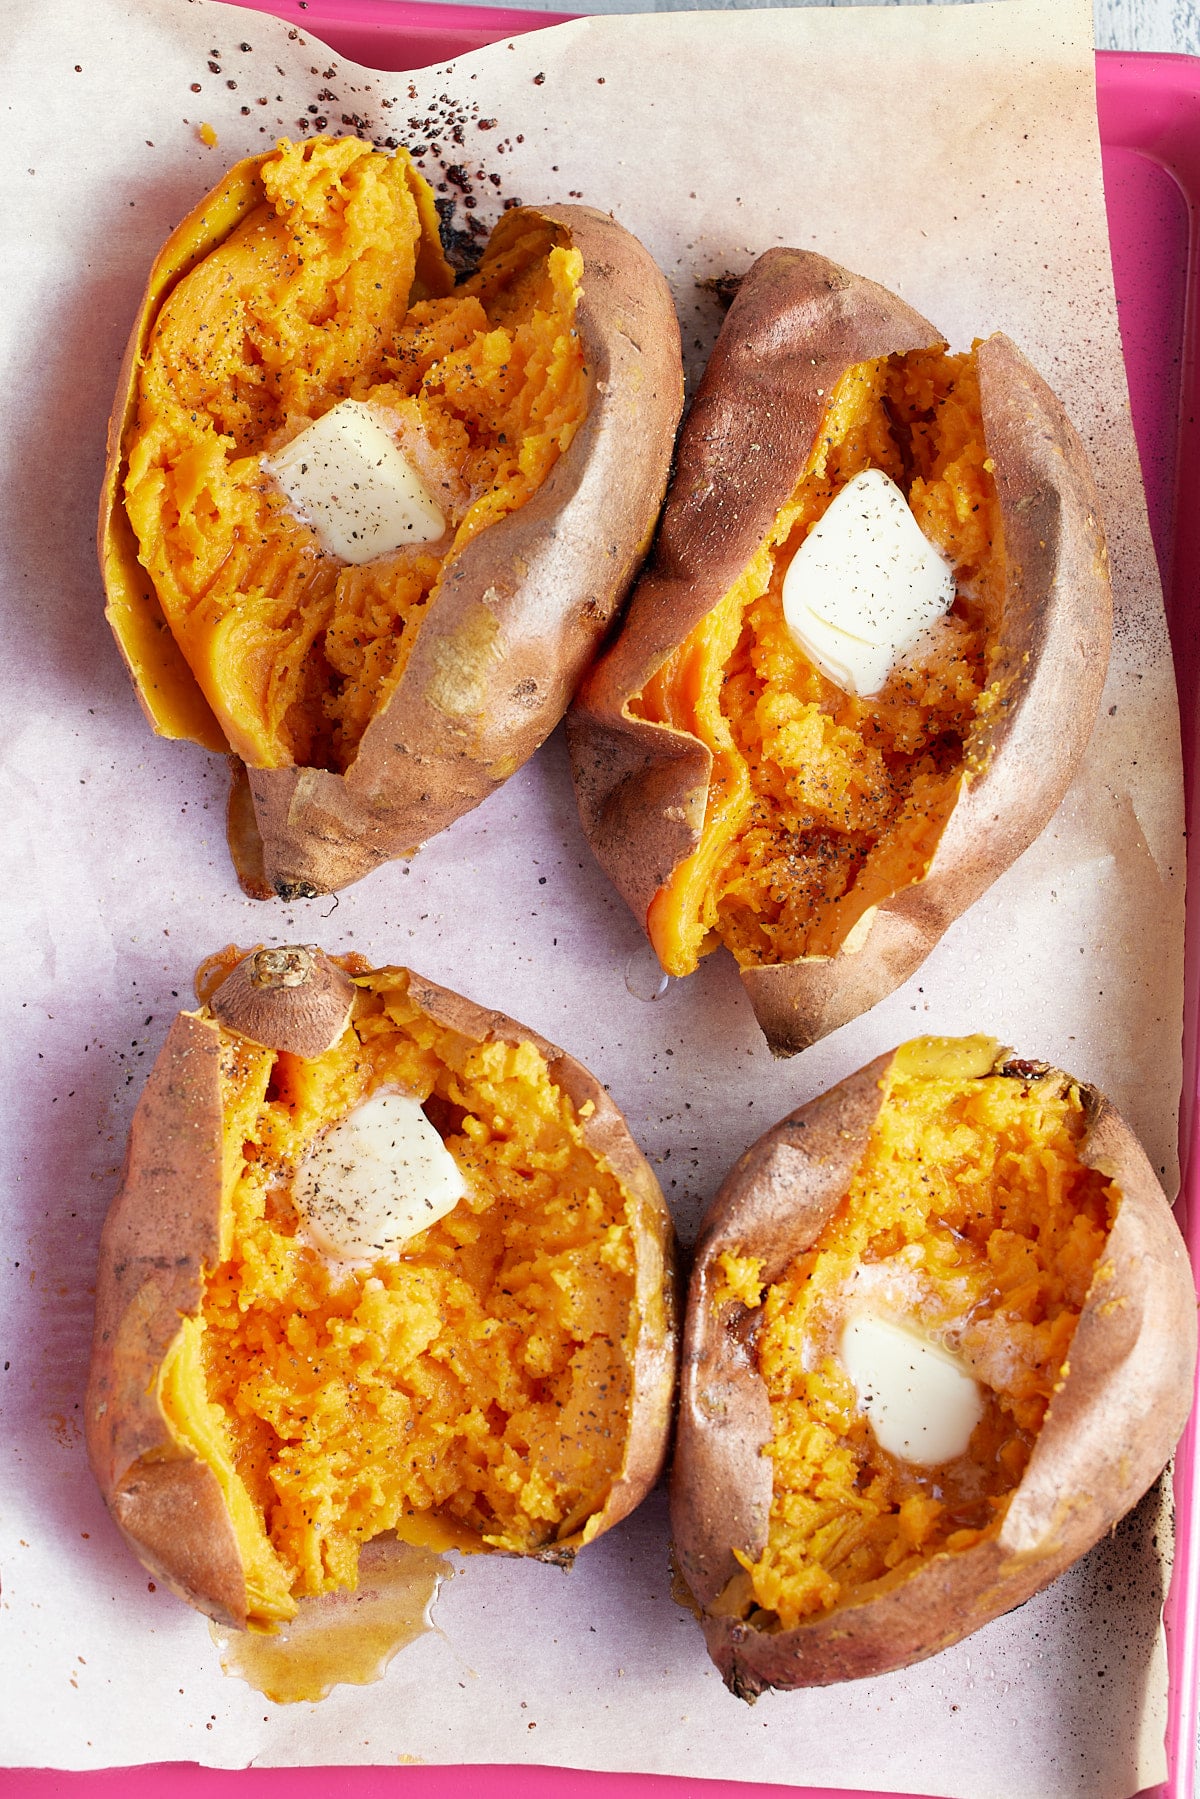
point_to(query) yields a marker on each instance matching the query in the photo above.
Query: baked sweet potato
(372, 704)
(502, 1379)
(994, 1214)
(733, 793)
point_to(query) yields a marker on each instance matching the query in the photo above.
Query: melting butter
(918, 1397)
(376, 1178)
(345, 476)
(865, 585)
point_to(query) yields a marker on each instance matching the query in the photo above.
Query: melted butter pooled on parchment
(341, 1639)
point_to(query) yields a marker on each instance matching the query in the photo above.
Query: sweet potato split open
(941, 1336)
(330, 289)
(736, 796)
(477, 1391)
(971, 1217)
(369, 705)
(821, 804)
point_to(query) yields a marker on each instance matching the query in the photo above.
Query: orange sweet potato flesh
(371, 706)
(731, 791)
(815, 1556)
(220, 1420)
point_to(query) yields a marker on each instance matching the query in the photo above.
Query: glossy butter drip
(342, 1638)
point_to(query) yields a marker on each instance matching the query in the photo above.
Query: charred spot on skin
(1019, 1070)
(741, 1684)
(463, 248)
(294, 890)
(741, 1325)
(288, 967)
(557, 1556)
(723, 287)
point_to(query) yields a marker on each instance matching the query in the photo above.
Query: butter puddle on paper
(342, 1638)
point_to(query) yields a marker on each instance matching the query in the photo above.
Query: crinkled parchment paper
(949, 152)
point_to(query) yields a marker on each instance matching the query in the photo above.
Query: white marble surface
(1148, 25)
(1120, 24)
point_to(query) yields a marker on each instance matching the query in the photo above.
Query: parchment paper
(949, 152)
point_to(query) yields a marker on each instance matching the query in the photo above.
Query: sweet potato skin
(1123, 1402)
(797, 324)
(517, 617)
(163, 1230)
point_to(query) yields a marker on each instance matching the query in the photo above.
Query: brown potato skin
(162, 1230)
(519, 613)
(797, 324)
(1111, 1427)
(317, 1010)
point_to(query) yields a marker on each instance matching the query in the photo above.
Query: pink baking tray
(1149, 109)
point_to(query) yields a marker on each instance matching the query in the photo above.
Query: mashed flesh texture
(820, 805)
(477, 1387)
(971, 1217)
(312, 299)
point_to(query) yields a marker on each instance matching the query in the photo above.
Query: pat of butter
(918, 1398)
(375, 1179)
(865, 585)
(346, 478)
